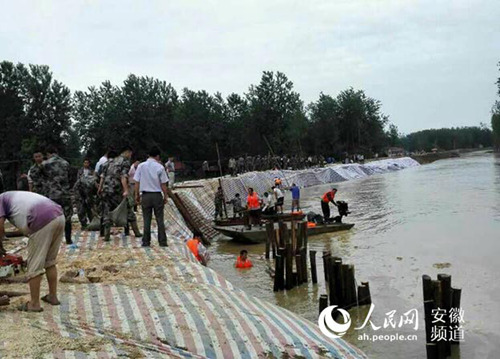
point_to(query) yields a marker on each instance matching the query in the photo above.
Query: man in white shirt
(101, 161)
(150, 181)
(280, 198)
(268, 204)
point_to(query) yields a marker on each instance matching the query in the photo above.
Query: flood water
(405, 223)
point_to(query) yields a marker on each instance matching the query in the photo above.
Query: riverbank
(432, 157)
(136, 302)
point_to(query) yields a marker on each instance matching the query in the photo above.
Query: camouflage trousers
(219, 210)
(110, 202)
(86, 208)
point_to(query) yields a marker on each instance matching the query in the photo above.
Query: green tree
(35, 110)
(276, 112)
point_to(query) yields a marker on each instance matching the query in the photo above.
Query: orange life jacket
(243, 264)
(193, 247)
(328, 196)
(253, 201)
(311, 224)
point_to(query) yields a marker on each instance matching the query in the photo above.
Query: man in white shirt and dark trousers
(150, 181)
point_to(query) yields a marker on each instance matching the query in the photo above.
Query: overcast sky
(432, 63)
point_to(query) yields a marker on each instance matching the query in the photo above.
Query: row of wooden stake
(288, 246)
(439, 296)
(341, 285)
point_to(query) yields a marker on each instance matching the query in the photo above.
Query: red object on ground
(10, 259)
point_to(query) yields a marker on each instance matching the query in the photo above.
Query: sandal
(46, 299)
(24, 308)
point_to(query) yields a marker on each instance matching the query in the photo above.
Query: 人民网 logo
(329, 326)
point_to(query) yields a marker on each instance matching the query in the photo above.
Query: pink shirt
(28, 211)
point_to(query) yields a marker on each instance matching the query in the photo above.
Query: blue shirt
(150, 175)
(295, 192)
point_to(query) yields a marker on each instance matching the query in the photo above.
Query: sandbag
(95, 224)
(120, 214)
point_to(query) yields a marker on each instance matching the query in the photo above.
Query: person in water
(242, 261)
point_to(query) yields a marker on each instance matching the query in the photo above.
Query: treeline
(448, 139)
(36, 110)
(495, 117)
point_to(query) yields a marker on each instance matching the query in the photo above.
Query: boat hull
(258, 234)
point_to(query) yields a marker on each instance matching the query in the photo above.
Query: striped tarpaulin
(263, 181)
(193, 312)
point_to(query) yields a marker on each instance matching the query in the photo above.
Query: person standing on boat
(325, 202)
(237, 207)
(295, 197)
(219, 203)
(253, 204)
(268, 204)
(280, 199)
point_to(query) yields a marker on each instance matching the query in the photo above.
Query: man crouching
(42, 220)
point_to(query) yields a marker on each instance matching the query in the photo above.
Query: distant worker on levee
(325, 203)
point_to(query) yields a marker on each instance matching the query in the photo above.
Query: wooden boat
(240, 221)
(258, 234)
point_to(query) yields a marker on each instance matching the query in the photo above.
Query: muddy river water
(406, 223)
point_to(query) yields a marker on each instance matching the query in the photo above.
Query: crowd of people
(243, 164)
(44, 212)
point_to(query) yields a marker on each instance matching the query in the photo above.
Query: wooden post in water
(323, 302)
(279, 280)
(428, 288)
(455, 303)
(337, 267)
(364, 296)
(428, 307)
(325, 257)
(312, 260)
(303, 254)
(269, 237)
(298, 265)
(331, 280)
(303, 231)
(288, 255)
(432, 350)
(274, 242)
(350, 286)
(445, 280)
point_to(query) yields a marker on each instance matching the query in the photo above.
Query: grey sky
(432, 63)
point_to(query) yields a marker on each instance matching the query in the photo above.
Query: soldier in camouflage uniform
(35, 178)
(55, 184)
(85, 190)
(113, 187)
(219, 203)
